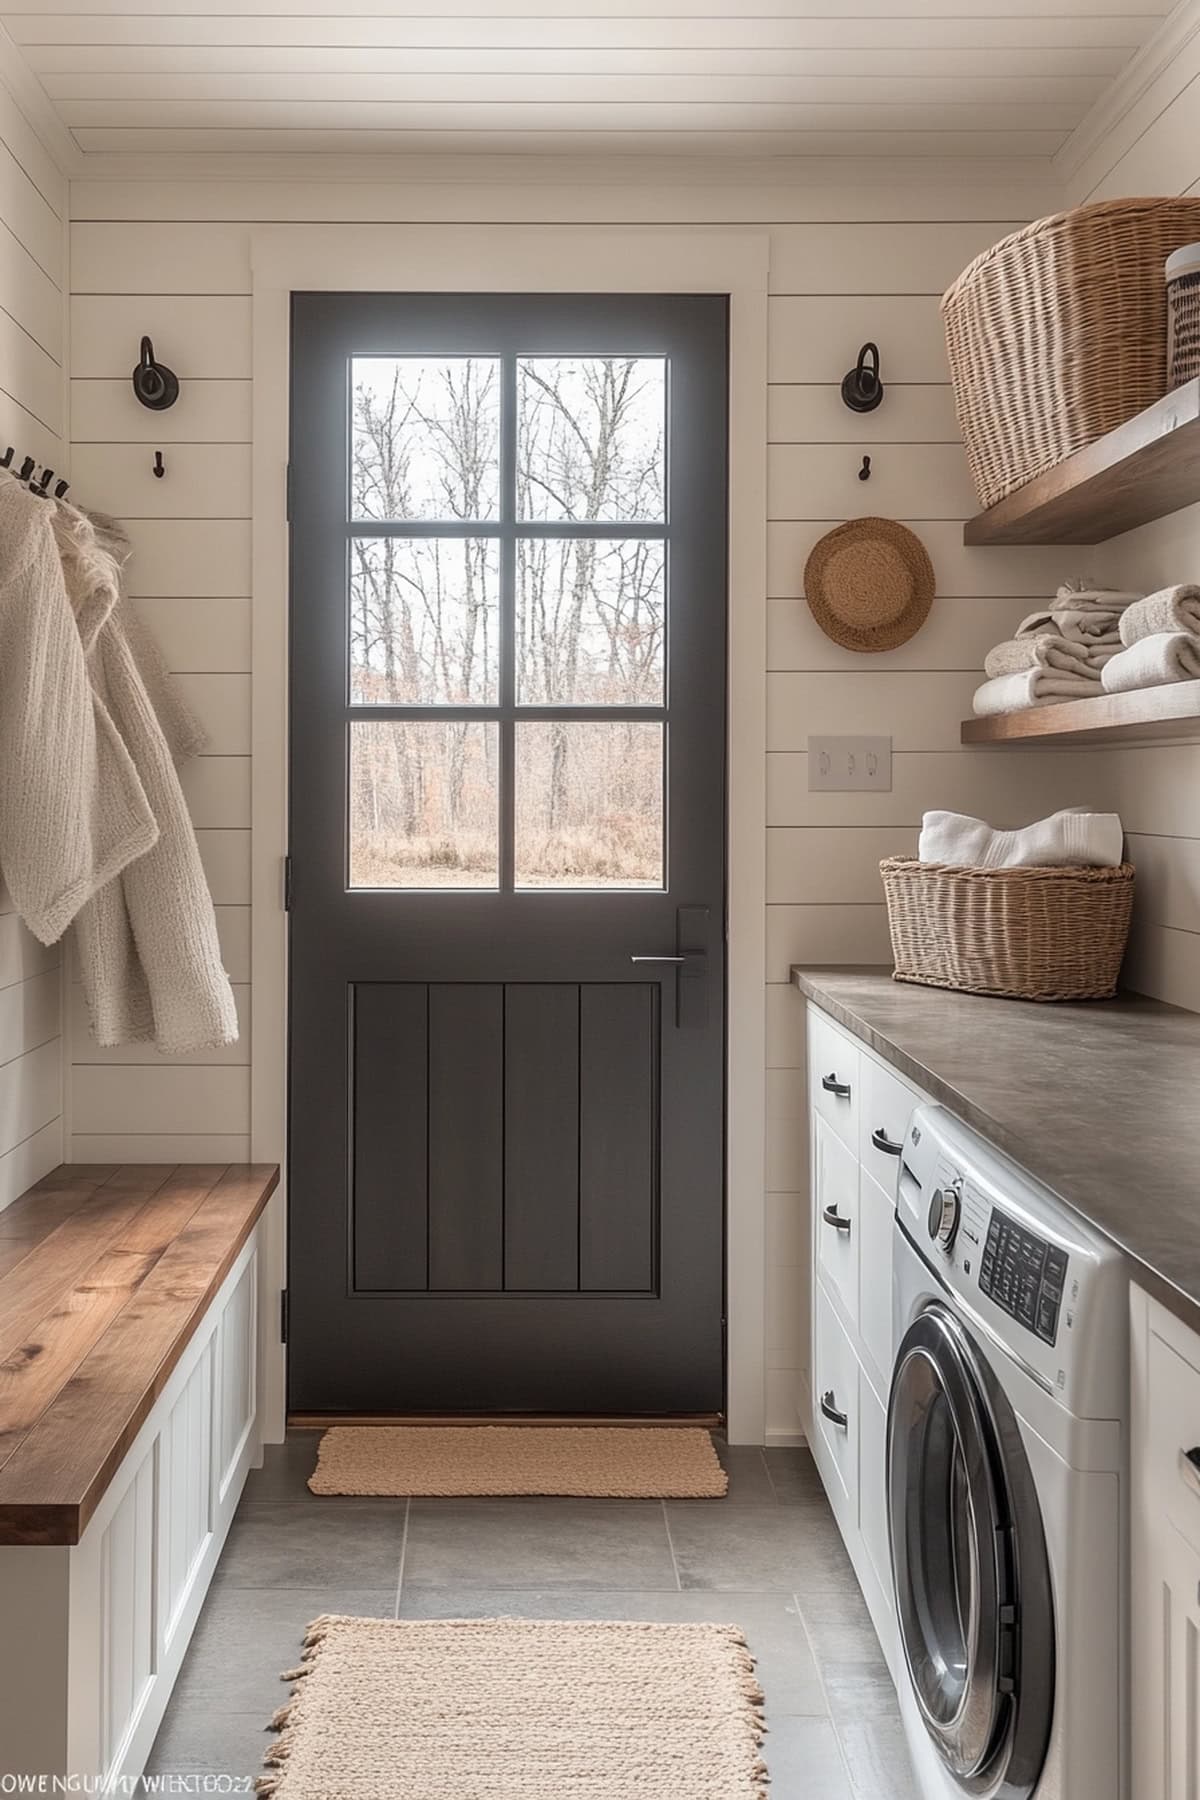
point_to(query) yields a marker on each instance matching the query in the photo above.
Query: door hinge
(283, 1315)
(288, 493)
(287, 884)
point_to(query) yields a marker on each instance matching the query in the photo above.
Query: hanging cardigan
(94, 827)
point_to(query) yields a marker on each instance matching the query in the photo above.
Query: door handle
(840, 1419)
(832, 1085)
(658, 959)
(883, 1142)
(833, 1217)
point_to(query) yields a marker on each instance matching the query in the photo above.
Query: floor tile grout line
(671, 1546)
(829, 1713)
(403, 1554)
(766, 1463)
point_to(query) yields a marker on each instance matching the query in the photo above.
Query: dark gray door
(507, 793)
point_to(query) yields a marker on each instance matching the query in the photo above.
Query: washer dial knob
(945, 1211)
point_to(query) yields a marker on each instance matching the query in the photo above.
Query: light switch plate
(849, 764)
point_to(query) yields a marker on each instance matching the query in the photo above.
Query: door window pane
(424, 620)
(425, 437)
(423, 809)
(591, 614)
(591, 437)
(589, 804)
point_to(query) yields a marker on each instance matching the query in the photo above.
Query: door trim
(489, 259)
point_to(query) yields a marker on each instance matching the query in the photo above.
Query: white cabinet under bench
(129, 1418)
(858, 1111)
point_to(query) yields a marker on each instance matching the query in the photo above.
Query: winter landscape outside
(589, 621)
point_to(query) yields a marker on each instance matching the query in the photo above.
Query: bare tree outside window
(589, 619)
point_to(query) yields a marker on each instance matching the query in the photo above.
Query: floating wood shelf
(1170, 711)
(1146, 468)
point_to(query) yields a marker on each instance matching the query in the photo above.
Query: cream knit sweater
(94, 828)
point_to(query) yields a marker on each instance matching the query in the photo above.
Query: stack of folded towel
(1058, 654)
(1161, 638)
(1071, 838)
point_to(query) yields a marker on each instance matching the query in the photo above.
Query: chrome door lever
(658, 959)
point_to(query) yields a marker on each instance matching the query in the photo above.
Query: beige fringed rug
(519, 1709)
(592, 1462)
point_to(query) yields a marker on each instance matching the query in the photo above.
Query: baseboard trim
(300, 1421)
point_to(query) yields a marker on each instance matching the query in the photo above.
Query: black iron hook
(862, 388)
(159, 466)
(864, 474)
(155, 385)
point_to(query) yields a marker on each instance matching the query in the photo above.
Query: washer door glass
(953, 1519)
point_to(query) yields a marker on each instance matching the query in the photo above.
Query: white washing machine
(1006, 1486)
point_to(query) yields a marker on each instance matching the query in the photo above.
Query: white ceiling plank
(232, 141)
(1023, 96)
(1123, 30)
(557, 116)
(1041, 61)
(679, 10)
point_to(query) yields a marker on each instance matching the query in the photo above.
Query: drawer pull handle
(883, 1142)
(840, 1419)
(833, 1217)
(832, 1085)
(1189, 1468)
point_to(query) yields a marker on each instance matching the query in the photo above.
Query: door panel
(507, 793)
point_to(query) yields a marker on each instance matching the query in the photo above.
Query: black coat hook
(26, 469)
(864, 474)
(862, 388)
(155, 385)
(159, 466)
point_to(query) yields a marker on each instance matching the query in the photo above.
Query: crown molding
(1156, 62)
(34, 102)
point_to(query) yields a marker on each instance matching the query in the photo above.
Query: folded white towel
(1035, 687)
(1154, 661)
(1090, 626)
(1171, 609)
(1081, 596)
(1074, 837)
(1047, 652)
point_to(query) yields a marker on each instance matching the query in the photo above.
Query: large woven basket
(1023, 934)
(1059, 334)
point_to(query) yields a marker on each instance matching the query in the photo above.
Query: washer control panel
(1023, 1274)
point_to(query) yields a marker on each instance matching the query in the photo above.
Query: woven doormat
(518, 1709)
(600, 1462)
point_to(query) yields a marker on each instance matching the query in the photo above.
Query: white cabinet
(858, 1113)
(1165, 1553)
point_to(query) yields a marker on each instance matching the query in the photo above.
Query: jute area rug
(518, 1709)
(600, 1462)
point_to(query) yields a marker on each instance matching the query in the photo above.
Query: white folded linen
(1034, 687)
(1074, 837)
(1081, 596)
(1171, 609)
(1089, 626)
(1154, 661)
(1046, 652)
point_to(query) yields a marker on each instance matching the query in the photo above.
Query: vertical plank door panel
(541, 1137)
(618, 1136)
(466, 1137)
(391, 1165)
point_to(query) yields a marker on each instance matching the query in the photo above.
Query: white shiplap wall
(33, 207)
(1154, 148)
(858, 254)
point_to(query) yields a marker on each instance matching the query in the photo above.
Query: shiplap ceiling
(761, 77)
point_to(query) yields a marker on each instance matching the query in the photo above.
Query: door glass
(423, 804)
(425, 437)
(589, 804)
(591, 437)
(591, 621)
(424, 620)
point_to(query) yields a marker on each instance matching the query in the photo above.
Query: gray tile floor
(768, 1558)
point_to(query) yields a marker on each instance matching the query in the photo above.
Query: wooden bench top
(105, 1274)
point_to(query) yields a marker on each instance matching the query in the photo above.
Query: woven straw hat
(869, 584)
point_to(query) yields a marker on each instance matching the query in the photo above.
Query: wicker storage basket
(1059, 334)
(1024, 934)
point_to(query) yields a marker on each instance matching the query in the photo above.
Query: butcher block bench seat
(106, 1273)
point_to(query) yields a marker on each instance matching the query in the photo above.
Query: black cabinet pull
(840, 1419)
(832, 1085)
(883, 1142)
(833, 1217)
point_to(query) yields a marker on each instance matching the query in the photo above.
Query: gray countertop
(1101, 1102)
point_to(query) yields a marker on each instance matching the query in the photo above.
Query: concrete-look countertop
(1100, 1101)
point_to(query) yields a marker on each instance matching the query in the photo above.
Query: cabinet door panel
(836, 1214)
(835, 1409)
(833, 1077)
